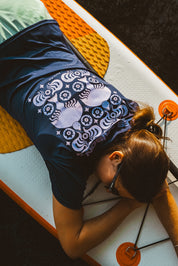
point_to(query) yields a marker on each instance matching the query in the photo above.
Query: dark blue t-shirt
(66, 109)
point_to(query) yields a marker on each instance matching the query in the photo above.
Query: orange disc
(168, 108)
(127, 256)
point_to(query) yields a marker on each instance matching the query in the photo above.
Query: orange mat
(89, 43)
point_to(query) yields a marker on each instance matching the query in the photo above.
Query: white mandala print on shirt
(81, 106)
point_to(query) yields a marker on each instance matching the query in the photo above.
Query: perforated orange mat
(89, 43)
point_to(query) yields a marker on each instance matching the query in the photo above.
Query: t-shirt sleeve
(67, 184)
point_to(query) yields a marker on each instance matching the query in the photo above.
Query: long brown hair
(145, 164)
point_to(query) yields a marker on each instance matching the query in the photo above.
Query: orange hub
(127, 256)
(168, 108)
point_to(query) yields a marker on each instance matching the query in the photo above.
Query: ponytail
(145, 119)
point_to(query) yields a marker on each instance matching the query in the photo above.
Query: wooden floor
(149, 28)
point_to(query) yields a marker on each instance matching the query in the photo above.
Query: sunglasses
(111, 188)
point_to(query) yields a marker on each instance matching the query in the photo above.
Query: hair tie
(154, 129)
(151, 128)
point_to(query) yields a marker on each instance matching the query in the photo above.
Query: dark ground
(150, 29)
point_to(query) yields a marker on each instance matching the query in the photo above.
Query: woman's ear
(117, 156)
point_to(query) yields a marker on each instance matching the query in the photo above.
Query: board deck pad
(89, 43)
(24, 176)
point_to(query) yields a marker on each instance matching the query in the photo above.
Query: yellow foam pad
(12, 136)
(89, 43)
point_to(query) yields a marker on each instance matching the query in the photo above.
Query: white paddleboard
(25, 173)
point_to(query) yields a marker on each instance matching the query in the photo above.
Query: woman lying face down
(81, 124)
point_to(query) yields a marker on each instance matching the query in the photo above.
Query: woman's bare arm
(167, 211)
(77, 236)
